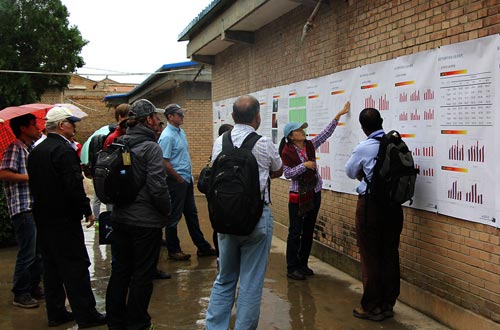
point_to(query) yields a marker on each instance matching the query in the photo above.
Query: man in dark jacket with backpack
(137, 227)
(378, 227)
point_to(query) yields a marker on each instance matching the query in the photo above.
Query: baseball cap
(60, 113)
(174, 108)
(290, 127)
(143, 108)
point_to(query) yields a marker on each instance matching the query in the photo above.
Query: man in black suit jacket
(60, 202)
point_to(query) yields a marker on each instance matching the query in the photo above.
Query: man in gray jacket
(137, 226)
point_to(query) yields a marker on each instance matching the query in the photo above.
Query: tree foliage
(35, 36)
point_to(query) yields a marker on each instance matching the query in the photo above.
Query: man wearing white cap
(60, 202)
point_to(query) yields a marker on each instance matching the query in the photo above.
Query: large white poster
(467, 132)
(442, 101)
(414, 115)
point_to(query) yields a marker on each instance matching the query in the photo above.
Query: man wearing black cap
(173, 143)
(137, 227)
(60, 202)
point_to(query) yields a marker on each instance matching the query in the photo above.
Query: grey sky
(131, 36)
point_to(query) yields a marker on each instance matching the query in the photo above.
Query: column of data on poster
(444, 102)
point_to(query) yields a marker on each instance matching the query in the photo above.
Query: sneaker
(179, 256)
(37, 293)
(374, 315)
(207, 253)
(25, 301)
(307, 271)
(296, 275)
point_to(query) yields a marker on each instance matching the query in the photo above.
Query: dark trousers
(300, 234)
(28, 270)
(66, 263)
(135, 251)
(378, 229)
(182, 199)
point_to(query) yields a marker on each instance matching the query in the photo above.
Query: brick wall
(448, 258)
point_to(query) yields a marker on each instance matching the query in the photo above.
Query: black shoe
(296, 275)
(307, 271)
(375, 315)
(207, 253)
(99, 319)
(387, 310)
(161, 275)
(65, 318)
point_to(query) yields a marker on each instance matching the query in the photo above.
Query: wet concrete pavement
(323, 301)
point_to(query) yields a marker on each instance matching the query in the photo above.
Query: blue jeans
(182, 198)
(28, 271)
(243, 257)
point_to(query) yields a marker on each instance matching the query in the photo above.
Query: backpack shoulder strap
(250, 141)
(227, 142)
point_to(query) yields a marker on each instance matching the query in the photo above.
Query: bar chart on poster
(444, 102)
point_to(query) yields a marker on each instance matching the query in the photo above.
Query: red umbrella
(6, 135)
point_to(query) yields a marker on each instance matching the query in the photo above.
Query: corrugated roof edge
(183, 36)
(164, 67)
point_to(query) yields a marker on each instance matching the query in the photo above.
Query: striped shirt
(18, 195)
(265, 153)
(294, 172)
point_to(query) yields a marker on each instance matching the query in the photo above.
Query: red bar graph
(403, 97)
(383, 103)
(472, 196)
(429, 114)
(325, 172)
(425, 171)
(370, 102)
(403, 116)
(415, 96)
(476, 153)
(325, 148)
(424, 151)
(453, 193)
(428, 94)
(415, 115)
(456, 152)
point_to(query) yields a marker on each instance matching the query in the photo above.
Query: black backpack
(95, 145)
(394, 174)
(235, 203)
(113, 177)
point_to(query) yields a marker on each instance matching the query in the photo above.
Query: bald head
(245, 109)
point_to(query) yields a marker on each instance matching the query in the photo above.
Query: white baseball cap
(60, 113)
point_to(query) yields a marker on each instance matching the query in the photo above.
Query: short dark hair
(17, 122)
(370, 119)
(245, 108)
(224, 128)
(122, 110)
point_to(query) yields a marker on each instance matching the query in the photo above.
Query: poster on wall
(340, 88)
(414, 116)
(443, 102)
(466, 129)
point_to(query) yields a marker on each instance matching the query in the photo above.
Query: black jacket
(151, 206)
(56, 182)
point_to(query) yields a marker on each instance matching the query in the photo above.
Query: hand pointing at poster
(345, 109)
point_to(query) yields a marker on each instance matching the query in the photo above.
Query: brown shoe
(374, 315)
(179, 256)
